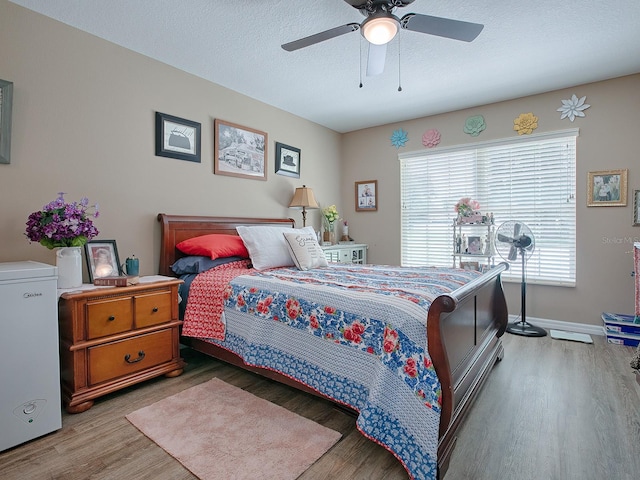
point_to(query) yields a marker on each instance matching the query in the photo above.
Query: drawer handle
(155, 309)
(111, 318)
(127, 357)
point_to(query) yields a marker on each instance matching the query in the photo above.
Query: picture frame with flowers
(607, 188)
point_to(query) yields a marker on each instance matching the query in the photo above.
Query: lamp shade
(304, 197)
(380, 29)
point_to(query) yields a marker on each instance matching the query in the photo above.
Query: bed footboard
(463, 331)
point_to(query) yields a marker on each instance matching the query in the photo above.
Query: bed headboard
(176, 228)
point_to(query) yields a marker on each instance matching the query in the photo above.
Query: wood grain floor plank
(552, 410)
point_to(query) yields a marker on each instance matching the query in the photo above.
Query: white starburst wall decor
(573, 107)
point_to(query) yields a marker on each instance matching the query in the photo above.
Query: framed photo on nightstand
(102, 259)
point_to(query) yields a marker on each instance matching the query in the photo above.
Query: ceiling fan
(381, 26)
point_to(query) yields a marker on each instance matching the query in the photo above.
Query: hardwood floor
(550, 410)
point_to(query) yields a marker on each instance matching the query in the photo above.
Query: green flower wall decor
(474, 125)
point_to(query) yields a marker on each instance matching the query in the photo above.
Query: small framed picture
(102, 259)
(636, 208)
(177, 138)
(607, 188)
(6, 101)
(474, 245)
(367, 196)
(287, 160)
(470, 266)
(239, 151)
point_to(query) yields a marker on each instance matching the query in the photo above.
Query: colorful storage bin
(622, 329)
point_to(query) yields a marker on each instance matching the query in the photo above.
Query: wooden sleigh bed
(463, 327)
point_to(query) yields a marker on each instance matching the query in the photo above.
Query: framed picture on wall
(6, 102)
(636, 208)
(607, 188)
(239, 151)
(287, 160)
(367, 196)
(177, 138)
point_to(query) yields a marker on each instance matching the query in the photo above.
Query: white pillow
(305, 251)
(266, 245)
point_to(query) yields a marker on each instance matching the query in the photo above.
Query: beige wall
(83, 123)
(607, 141)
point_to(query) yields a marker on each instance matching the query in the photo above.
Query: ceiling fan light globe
(380, 30)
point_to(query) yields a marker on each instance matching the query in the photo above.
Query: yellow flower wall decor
(525, 124)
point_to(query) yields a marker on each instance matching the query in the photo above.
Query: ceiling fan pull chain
(399, 80)
(360, 63)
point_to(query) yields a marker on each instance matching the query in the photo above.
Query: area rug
(218, 431)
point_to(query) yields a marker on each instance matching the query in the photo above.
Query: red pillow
(216, 245)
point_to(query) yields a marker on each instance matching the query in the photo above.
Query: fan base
(526, 329)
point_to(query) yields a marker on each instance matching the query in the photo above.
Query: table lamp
(303, 197)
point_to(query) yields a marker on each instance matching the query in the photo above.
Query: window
(527, 179)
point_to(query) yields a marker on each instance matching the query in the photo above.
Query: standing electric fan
(513, 238)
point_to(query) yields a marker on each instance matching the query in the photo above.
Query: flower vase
(69, 263)
(330, 234)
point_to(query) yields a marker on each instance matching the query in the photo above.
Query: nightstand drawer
(107, 317)
(153, 308)
(346, 253)
(122, 358)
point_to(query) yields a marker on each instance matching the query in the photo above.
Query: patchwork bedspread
(355, 333)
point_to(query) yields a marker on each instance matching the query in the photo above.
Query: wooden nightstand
(346, 253)
(111, 338)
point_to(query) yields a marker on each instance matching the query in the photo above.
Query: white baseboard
(560, 325)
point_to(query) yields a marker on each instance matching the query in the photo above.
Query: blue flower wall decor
(399, 138)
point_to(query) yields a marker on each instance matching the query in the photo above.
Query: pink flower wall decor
(431, 138)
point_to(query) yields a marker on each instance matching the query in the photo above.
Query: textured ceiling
(525, 48)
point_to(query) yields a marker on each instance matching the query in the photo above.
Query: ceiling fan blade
(320, 37)
(513, 253)
(376, 59)
(441, 27)
(362, 4)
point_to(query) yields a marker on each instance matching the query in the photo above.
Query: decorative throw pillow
(199, 264)
(305, 251)
(215, 245)
(267, 246)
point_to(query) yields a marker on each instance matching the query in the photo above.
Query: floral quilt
(354, 333)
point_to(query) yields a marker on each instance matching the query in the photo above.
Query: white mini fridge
(30, 404)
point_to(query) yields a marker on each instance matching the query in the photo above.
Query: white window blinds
(528, 179)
